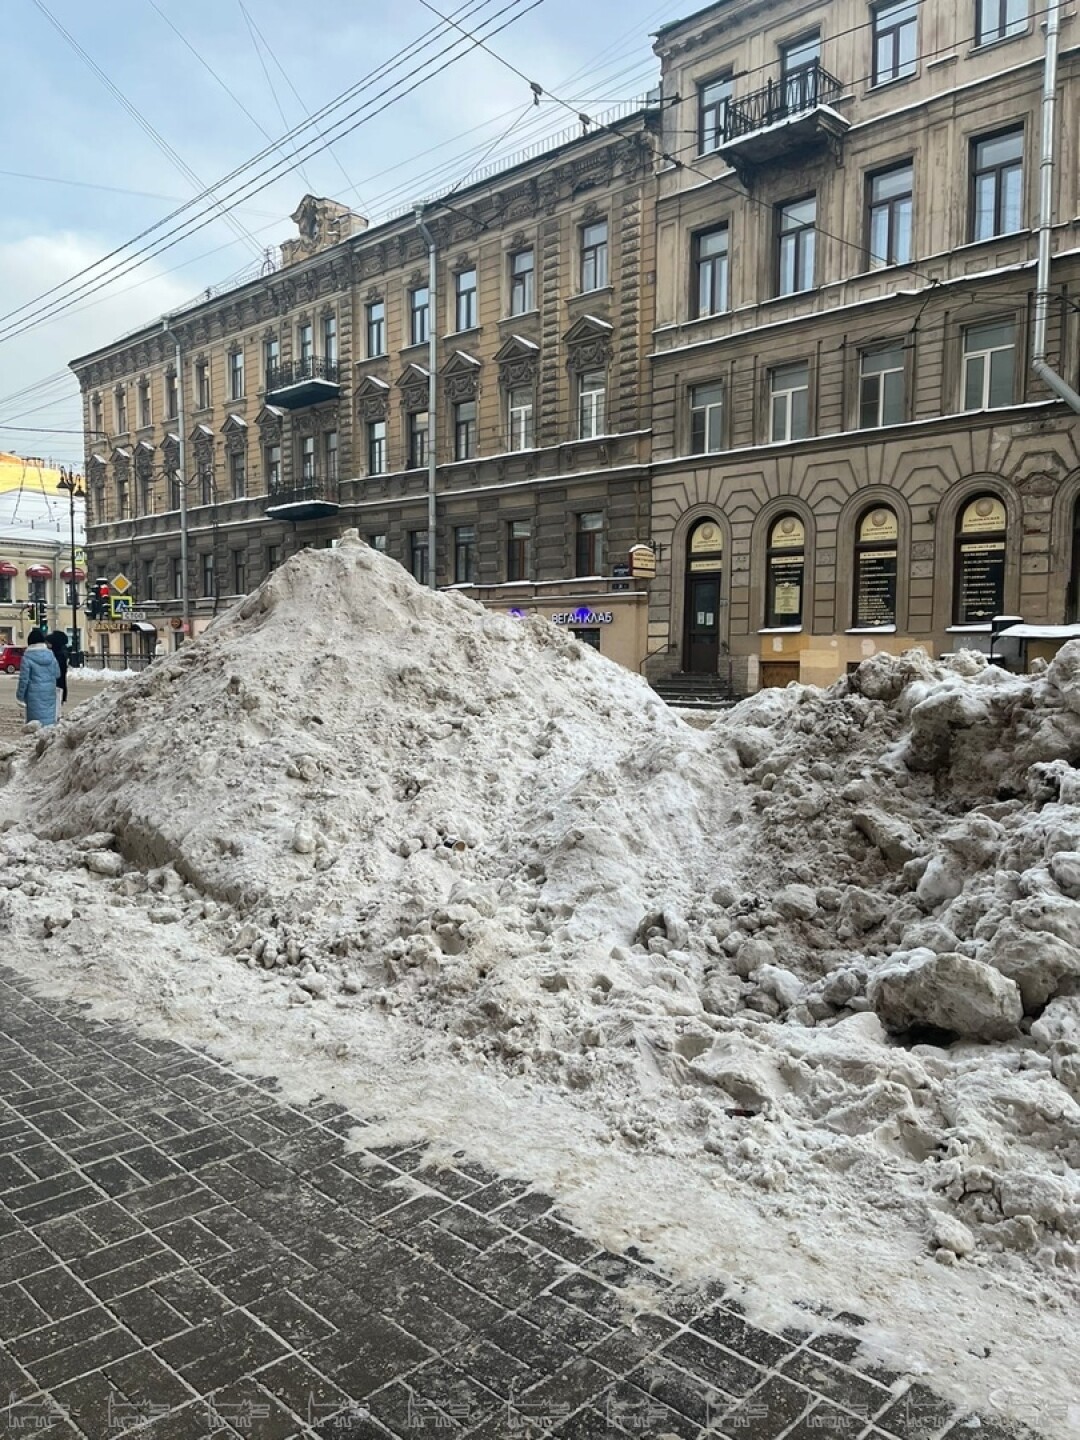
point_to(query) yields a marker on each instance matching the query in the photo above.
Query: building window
(789, 387)
(589, 549)
(329, 339)
(377, 542)
(997, 184)
(172, 397)
(174, 490)
(894, 40)
(881, 388)
(376, 329)
(238, 474)
(271, 357)
(592, 404)
(418, 439)
(594, 256)
(519, 550)
(465, 555)
(522, 294)
(239, 572)
(236, 374)
(330, 454)
(519, 406)
(272, 464)
(96, 416)
(711, 271)
(307, 459)
(706, 418)
(465, 430)
(376, 447)
(120, 408)
(208, 575)
(795, 222)
(785, 564)
(273, 558)
(713, 100)
(7, 595)
(146, 419)
(122, 506)
(419, 329)
(177, 577)
(874, 600)
(998, 19)
(465, 300)
(799, 62)
(990, 366)
(418, 555)
(206, 484)
(203, 397)
(889, 205)
(305, 343)
(149, 587)
(980, 562)
(146, 491)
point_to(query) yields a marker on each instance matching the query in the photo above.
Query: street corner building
(798, 331)
(466, 385)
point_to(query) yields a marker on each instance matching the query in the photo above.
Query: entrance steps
(696, 692)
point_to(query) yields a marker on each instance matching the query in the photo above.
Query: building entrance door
(703, 624)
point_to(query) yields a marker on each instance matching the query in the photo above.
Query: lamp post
(72, 483)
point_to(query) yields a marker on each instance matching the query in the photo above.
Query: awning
(144, 627)
(39, 572)
(7, 568)
(69, 574)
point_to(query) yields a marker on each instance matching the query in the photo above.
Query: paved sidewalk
(184, 1255)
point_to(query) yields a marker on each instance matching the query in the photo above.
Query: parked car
(11, 658)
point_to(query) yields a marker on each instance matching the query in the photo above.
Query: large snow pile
(830, 947)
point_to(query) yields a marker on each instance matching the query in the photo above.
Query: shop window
(587, 634)
(980, 562)
(785, 565)
(874, 600)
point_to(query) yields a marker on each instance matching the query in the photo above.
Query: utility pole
(185, 600)
(72, 483)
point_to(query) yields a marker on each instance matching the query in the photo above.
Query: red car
(11, 658)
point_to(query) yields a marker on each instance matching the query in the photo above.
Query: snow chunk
(949, 992)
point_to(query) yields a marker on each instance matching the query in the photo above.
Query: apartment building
(278, 414)
(851, 450)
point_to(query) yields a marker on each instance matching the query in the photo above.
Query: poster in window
(981, 590)
(875, 589)
(786, 583)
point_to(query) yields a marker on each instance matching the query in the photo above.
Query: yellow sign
(112, 627)
(642, 561)
(121, 584)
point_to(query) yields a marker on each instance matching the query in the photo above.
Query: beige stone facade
(305, 399)
(892, 380)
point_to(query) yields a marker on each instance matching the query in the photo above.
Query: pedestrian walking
(58, 644)
(39, 675)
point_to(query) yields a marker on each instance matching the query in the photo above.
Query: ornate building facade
(297, 405)
(851, 451)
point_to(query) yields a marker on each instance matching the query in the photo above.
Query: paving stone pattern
(182, 1255)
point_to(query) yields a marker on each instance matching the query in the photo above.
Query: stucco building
(851, 451)
(280, 413)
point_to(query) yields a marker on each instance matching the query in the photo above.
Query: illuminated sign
(582, 617)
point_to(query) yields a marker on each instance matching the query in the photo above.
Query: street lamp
(72, 483)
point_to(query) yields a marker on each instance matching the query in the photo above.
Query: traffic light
(42, 615)
(97, 606)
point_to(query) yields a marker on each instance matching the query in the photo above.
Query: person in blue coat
(38, 677)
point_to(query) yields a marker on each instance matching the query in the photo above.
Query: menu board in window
(981, 590)
(875, 589)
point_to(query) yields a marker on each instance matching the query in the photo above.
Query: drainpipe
(1039, 363)
(433, 428)
(185, 610)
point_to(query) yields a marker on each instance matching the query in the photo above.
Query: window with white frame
(329, 339)
(594, 256)
(796, 237)
(146, 419)
(376, 328)
(305, 343)
(271, 358)
(238, 474)
(376, 447)
(120, 408)
(236, 374)
(706, 417)
(890, 199)
(465, 316)
(307, 458)
(519, 406)
(789, 394)
(990, 365)
(882, 387)
(272, 467)
(330, 454)
(592, 404)
(419, 312)
(710, 250)
(997, 184)
(714, 97)
(999, 19)
(522, 274)
(419, 438)
(202, 385)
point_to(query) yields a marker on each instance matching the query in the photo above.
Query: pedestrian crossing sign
(120, 607)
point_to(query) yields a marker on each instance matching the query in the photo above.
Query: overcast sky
(81, 176)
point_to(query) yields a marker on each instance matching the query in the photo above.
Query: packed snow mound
(833, 940)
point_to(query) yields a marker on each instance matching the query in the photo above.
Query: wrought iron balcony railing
(781, 99)
(295, 372)
(316, 489)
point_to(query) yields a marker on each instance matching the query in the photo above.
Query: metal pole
(433, 361)
(185, 613)
(74, 590)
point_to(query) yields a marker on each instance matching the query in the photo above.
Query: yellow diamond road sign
(121, 583)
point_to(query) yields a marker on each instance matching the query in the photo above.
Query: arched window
(874, 600)
(1072, 600)
(704, 571)
(785, 564)
(980, 561)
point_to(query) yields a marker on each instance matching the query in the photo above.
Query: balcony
(791, 114)
(311, 497)
(298, 383)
